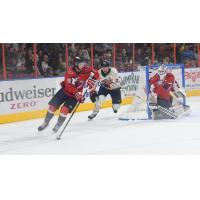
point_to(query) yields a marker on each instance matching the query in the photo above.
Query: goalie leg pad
(163, 113)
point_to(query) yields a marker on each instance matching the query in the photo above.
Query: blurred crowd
(50, 59)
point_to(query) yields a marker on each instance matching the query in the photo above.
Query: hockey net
(139, 108)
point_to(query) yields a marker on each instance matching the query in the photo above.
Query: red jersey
(163, 87)
(74, 81)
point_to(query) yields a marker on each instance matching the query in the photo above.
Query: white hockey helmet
(162, 71)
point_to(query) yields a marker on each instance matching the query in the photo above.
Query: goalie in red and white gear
(71, 92)
(165, 92)
(110, 84)
(166, 99)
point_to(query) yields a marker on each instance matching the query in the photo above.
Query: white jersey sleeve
(113, 76)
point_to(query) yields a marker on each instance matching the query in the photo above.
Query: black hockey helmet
(78, 60)
(105, 63)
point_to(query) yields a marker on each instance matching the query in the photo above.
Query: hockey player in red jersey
(71, 92)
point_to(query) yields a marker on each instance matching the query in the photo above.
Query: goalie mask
(162, 71)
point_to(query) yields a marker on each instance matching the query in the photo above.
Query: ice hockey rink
(106, 135)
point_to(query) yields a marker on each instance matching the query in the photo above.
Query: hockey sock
(50, 114)
(59, 123)
(61, 119)
(48, 117)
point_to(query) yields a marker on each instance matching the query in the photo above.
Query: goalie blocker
(162, 95)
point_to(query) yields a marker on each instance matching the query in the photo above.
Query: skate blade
(53, 132)
(41, 132)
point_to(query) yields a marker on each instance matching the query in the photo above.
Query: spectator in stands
(187, 54)
(11, 58)
(123, 56)
(179, 50)
(194, 49)
(138, 55)
(54, 57)
(40, 55)
(1, 62)
(83, 52)
(21, 62)
(44, 68)
(187, 63)
(96, 61)
(12, 65)
(29, 62)
(166, 61)
(193, 63)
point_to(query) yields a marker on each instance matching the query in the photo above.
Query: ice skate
(56, 128)
(93, 115)
(114, 110)
(43, 126)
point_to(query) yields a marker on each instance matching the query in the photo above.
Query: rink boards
(28, 99)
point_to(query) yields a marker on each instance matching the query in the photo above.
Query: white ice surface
(106, 135)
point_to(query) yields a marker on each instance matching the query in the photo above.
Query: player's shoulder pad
(88, 69)
(99, 70)
(113, 69)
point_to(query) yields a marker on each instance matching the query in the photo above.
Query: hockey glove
(79, 97)
(91, 83)
(62, 84)
(107, 83)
